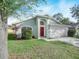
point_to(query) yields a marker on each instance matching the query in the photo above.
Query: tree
(58, 17)
(8, 8)
(75, 11)
(65, 21)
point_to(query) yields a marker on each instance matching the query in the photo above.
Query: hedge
(71, 32)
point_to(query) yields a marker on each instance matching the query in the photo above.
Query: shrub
(71, 32)
(11, 36)
(77, 33)
(26, 33)
(33, 37)
(76, 36)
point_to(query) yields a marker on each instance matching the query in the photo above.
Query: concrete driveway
(70, 40)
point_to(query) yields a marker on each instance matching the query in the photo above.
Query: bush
(11, 36)
(26, 33)
(77, 33)
(71, 32)
(76, 36)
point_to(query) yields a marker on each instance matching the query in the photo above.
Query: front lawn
(40, 49)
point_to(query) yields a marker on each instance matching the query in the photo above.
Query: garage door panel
(57, 32)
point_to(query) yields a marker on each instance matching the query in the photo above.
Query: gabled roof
(45, 16)
(61, 25)
(74, 24)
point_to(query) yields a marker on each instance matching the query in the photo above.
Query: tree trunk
(3, 39)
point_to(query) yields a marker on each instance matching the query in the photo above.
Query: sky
(52, 7)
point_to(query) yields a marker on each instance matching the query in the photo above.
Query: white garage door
(56, 32)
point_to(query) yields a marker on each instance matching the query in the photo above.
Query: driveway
(70, 40)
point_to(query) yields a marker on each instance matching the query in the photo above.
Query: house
(43, 27)
(9, 29)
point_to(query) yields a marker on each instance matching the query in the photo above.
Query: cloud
(53, 7)
(12, 20)
(42, 10)
(64, 7)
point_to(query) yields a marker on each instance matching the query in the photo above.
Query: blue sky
(52, 7)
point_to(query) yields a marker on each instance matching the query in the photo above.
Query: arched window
(29, 28)
(41, 23)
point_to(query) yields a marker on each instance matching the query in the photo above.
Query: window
(29, 28)
(41, 23)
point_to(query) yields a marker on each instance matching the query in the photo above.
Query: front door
(42, 31)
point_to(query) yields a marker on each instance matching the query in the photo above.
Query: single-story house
(43, 27)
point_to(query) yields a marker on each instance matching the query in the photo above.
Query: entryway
(42, 31)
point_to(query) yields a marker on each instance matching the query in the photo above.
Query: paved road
(70, 40)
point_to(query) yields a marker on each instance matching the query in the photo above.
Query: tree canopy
(75, 11)
(65, 21)
(60, 18)
(9, 7)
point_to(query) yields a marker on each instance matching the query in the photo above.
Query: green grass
(39, 49)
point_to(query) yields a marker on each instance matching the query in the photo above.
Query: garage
(56, 31)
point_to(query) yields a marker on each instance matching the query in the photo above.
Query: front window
(41, 23)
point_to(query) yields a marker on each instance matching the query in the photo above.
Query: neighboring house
(10, 29)
(43, 27)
